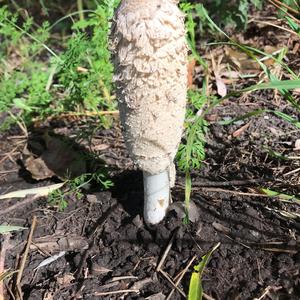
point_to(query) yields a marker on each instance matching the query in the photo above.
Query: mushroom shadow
(128, 190)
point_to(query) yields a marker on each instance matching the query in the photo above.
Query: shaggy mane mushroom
(150, 59)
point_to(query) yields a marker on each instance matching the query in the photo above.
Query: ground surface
(107, 252)
(108, 248)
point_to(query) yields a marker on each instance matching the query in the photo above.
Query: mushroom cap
(150, 59)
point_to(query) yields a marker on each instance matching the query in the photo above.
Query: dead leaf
(231, 74)
(239, 131)
(179, 208)
(62, 158)
(39, 191)
(59, 158)
(191, 69)
(97, 270)
(100, 147)
(296, 48)
(240, 60)
(274, 131)
(221, 228)
(38, 168)
(82, 70)
(221, 87)
(92, 199)
(65, 280)
(48, 295)
(270, 49)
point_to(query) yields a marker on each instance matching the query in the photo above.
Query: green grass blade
(286, 117)
(294, 26)
(276, 84)
(283, 197)
(188, 190)
(284, 84)
(243, 117)
(33, 38)
(70, 16)
(201, 10)
(275, 154)
(195, 287)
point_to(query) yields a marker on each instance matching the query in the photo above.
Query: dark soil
(108, 248)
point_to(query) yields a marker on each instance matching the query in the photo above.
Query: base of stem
(156, 196)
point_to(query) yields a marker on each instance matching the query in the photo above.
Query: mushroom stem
(156, 196)
(150, 58)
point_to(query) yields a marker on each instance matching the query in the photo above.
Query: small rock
(137, 221)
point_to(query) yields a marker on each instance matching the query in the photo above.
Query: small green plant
(73, 188)
(191, 151)
(191, 26)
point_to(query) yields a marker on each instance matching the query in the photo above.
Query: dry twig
(23, 260)
(267, 291)
(78, 114)
(166, 275)
(115, 292)
(181, 276)
(166, 252)
(286, 6)
(280, 7)
(227, 183)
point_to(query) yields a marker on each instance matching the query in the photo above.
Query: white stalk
(156, 196)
